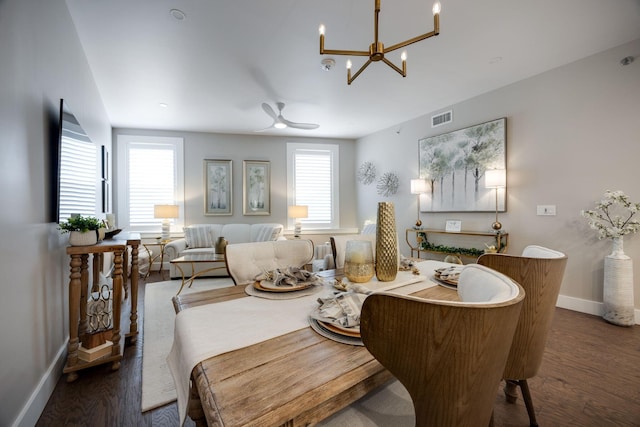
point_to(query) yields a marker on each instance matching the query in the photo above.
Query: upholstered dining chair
(245, 261)
(449, 355)
(540, 271)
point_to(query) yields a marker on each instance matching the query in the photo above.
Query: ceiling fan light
(279, 125)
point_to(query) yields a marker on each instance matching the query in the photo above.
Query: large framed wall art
(256, 187)
(218, 185)
(454, 165)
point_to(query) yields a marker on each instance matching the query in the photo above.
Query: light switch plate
(546, 210)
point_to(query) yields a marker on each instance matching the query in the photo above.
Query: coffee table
(195, 259)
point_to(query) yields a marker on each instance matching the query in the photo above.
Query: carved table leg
(117, 289)
(133, 325)
(74, 316)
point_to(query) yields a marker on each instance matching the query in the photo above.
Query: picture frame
(218, 185)
(454, 164)
(453, 226)
(256, 187)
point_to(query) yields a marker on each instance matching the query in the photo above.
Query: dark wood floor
(590, 377)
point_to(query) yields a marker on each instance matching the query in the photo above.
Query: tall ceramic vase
(618, 286)
(386, 243)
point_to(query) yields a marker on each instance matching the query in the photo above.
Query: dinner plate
(268, 286)
(341, 330)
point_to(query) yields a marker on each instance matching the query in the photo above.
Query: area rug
(159, 315)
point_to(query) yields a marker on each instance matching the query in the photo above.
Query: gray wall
(200, 146)
(42, 61)
(572, 133)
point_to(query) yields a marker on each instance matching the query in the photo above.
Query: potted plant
(84, 231)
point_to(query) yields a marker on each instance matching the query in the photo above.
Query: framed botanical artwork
(454, 166)
(218, 185)
(256, 187)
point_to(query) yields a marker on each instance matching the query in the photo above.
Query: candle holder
(358, 261)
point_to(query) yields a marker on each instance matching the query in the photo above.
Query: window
(312, 180)
(150, 172)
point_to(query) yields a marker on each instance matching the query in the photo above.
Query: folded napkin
(290, 276)
(343, 308)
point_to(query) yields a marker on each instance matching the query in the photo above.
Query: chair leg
(526, 396)
(511, 391)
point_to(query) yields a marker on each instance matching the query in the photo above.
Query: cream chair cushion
(246, 260)
(479, 284)
(534, 251)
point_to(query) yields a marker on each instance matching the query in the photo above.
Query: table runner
(198, 335)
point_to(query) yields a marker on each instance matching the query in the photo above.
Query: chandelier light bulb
(436, 8)
(348, 64)
(404, 56)
(321, 30)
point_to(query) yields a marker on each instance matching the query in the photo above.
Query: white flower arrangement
(613, 216)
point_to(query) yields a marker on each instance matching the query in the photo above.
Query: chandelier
(377, 50)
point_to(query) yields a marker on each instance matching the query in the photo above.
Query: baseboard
(32, 410)
(587, 306)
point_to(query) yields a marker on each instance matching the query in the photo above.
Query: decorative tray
(109, 234)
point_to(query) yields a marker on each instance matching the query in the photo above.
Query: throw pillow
(267, 233)
(199, 236)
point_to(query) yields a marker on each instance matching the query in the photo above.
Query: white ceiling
(215, 68)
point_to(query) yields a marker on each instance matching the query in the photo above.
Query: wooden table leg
(74, 315)
(133, 325)
(117, 289)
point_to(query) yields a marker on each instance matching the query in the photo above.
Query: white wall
(42, 61)
(572, 133)
(201, 146)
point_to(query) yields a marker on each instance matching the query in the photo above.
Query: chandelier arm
(375, 22)
(351, 79)
(402, 72)
(344, 52)
(410, 41)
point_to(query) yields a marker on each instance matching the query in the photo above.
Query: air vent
(441, 119)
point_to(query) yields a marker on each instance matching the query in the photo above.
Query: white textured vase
(78, 238)
(618, 286)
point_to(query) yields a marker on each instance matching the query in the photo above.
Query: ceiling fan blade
(264, 130)
(267, 109)
(307, 126)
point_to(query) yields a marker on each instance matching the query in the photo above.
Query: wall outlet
(546, 209)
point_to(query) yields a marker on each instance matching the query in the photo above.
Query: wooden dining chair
(449, 355)
(540, 271)
(245, 261)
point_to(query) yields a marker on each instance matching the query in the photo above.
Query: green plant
(79, 223)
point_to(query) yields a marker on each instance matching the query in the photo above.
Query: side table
(161, 244)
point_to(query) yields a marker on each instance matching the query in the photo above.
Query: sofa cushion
(265, 232)
(199, 236)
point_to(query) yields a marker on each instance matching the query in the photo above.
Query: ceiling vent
(442, 119)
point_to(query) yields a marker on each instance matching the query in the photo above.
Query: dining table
(278, 377)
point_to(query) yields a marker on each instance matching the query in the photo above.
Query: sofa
(201, 238)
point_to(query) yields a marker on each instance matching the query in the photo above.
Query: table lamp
(495, 178)
(296, 212)
(165, 212)
(419, 186)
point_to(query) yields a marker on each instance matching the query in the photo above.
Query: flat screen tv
(73, 168)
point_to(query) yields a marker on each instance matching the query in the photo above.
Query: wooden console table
(78, 287)
(501, 240)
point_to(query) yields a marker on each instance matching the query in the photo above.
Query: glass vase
(358, 261)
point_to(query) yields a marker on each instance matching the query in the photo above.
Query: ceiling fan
(280, 122)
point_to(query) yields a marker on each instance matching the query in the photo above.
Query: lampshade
(419, 186)
(495, 178)
(297, 211)
(165, 211)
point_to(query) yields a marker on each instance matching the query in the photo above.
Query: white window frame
(124, 143)
(294, 148)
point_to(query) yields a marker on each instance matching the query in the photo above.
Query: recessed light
(163, 105)
(177, 14)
